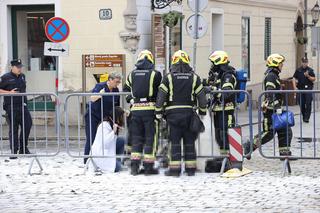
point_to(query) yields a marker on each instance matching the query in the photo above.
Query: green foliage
(171, 19)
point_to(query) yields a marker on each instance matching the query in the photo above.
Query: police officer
(304, 77)
(179, 93)
(16, 108)
(222, 77)
(96, 110)
(143, 83)
(272, 103)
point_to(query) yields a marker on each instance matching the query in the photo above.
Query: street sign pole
(196, 36)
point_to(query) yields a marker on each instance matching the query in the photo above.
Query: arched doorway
(299, 45)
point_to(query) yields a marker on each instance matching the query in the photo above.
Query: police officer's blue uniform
(17, 111)
(305, 99)
(94, 111)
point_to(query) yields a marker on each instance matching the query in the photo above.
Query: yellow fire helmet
(274, 60)
(104, 77)
(180, 56)
(219, 57)
(145, 54)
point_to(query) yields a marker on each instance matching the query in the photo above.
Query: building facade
(248, 30)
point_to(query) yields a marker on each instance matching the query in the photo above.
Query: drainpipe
(305, 26)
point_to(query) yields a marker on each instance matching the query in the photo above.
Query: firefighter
(222, 77)
(272, 103)
(179, 92)
(143, 83)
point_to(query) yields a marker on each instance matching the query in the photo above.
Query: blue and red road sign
(57, 29)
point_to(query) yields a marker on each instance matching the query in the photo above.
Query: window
(245, 44)
(176, 37)
(267, 38)
(36, 38)
(165, 41)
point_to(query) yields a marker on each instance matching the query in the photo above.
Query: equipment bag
(214, 165)
(196, 125)
(242, 78)
(282, 121)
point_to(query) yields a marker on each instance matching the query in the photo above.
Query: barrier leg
(31, 165)
(286, 167)
(224, 164)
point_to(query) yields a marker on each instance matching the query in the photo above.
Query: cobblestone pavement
(63, 187)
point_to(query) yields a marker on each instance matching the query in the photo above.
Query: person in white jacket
(107, 143)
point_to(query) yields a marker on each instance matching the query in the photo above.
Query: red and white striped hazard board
(235, 144)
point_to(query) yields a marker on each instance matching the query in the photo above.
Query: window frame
(267, 37)
(248, 28)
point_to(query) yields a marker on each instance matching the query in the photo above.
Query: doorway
(28, 37)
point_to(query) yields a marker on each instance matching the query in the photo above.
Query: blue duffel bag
(283, 120)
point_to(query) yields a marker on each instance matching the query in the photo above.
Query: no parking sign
(57, 29)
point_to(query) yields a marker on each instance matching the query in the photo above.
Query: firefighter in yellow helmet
(143, 83)
(272, 103)
(180, 91)
(222, 77)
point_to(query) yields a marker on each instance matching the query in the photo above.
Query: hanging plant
(171, 19)
(302, 40)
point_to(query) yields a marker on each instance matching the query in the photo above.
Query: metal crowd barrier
(245, 123)
(75, 144)
(34, 121)
(304, 132)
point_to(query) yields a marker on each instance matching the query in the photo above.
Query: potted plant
(171, 19)
(302, 40)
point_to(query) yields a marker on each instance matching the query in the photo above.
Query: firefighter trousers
(222, 121)
(144, 129)
(179, 129)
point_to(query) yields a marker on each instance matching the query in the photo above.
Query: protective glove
(214, 88)
(132, 101)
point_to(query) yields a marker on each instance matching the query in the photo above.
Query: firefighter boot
(173, 172)
(190, 171)
(247, 148)
(286, 153)
(135, 167)
(149, 170)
